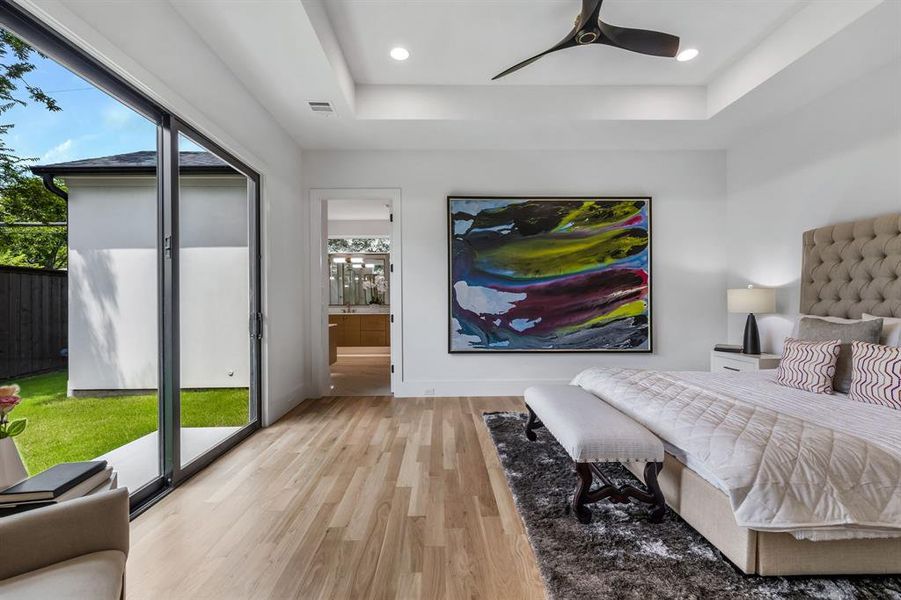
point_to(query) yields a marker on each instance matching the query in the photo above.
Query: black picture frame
(450, 290)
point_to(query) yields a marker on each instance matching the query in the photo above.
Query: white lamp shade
(751, 300)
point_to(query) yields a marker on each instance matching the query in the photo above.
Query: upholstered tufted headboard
(853, 268)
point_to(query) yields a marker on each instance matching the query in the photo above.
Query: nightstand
(733, 361)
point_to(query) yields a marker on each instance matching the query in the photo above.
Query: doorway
(358, 307)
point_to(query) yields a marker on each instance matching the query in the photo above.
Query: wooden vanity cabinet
(362, 329)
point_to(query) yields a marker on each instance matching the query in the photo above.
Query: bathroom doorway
(359, 273)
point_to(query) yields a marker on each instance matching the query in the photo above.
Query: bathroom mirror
(358, 279)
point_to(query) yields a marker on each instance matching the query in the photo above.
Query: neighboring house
(113, 271)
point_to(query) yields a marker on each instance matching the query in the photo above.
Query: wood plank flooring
(361, 374)
(345, 498)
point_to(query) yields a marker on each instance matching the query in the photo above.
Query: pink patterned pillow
(876, 374)
(808, 366)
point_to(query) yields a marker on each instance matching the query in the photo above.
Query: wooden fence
(34, 321)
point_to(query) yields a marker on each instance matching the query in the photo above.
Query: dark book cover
(728, 348)
(51, 483)
(14, 510)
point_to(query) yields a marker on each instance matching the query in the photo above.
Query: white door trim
(319, 294)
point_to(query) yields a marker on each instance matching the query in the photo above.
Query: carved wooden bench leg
(580, 496)
(650, 480)
(584, 495)
(532, 425)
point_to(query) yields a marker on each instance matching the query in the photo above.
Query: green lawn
(62, 429)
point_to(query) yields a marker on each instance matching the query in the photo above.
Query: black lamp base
(751, 343)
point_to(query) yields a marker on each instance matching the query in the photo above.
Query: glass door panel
(215, 302)
(79, 260)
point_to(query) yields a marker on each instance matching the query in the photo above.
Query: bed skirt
(708, 510)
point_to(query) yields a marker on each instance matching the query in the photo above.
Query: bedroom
(787, 120)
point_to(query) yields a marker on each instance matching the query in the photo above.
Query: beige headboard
(853, 268)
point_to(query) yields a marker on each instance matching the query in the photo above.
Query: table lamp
(751, 300)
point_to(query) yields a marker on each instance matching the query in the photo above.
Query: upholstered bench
(593, 432)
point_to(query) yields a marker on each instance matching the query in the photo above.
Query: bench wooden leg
(533, 424)
(650, 480)
(607, 490)
(580, 496)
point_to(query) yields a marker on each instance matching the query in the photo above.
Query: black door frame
(16, 20)
(173, 128)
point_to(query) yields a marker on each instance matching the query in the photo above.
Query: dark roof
(143, 162)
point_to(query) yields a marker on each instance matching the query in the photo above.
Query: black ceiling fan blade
(568, 42)
(642, 41)
(591, 9)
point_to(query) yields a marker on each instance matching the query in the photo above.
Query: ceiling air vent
(323, 108)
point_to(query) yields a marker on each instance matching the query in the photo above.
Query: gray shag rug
(621, 554)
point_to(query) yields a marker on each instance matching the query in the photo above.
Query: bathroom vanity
(360, 329)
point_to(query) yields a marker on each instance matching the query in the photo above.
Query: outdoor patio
(138, 462)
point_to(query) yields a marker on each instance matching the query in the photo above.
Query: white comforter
(815, 465)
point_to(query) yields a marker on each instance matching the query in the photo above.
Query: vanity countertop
(360, 310)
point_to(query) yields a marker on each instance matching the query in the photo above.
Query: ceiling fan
(589, 29)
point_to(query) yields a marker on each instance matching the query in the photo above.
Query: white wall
(113, 283)
(359, 228)
(836, 159)
(688, 190)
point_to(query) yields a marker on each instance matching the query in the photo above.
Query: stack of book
(57, 484)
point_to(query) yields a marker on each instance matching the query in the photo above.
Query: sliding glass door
(217, 307)
(163, 286)
(212, 322)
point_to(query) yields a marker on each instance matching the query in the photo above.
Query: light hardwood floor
(361, 374)
(345, 498)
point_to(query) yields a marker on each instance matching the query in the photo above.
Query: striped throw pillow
(876, 374)
(808, 366)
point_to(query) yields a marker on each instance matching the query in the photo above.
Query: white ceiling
(466, 42)
(760, 60)
(358, 210)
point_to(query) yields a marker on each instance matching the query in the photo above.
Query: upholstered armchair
(75, 549)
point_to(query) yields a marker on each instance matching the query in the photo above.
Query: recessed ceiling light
(687, 54)
(400, 53)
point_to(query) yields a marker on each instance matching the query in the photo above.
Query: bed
(781, 481)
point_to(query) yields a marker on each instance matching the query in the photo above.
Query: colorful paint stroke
(550, 274)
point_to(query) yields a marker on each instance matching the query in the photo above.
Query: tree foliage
(26, 200)
(23, 197)
(343, 245)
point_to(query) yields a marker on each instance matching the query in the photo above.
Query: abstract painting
(550, 274)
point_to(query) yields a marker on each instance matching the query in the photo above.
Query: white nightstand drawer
(730, 362)
(719, 363)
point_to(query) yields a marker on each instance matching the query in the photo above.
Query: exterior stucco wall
(113, 296)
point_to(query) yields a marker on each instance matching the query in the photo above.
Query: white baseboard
(497, 387)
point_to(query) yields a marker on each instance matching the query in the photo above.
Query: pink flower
(7, 403)
(9, 390)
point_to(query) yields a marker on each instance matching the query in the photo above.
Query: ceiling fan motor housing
(587, 36)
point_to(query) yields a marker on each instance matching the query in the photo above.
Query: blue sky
(90, 124)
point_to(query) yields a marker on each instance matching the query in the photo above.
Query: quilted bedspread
(788, 460)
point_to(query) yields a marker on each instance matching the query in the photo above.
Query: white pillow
(797, 326)
(891, 330)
